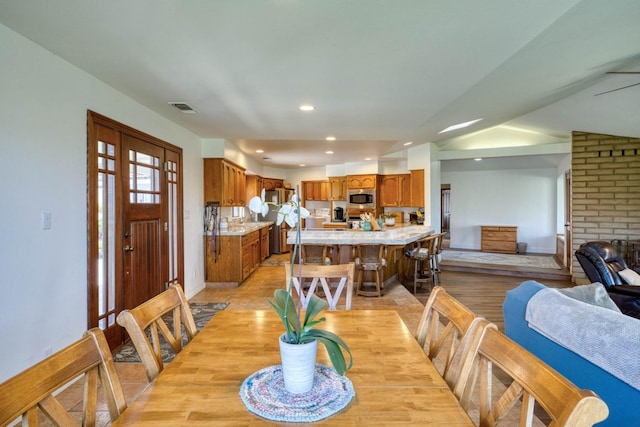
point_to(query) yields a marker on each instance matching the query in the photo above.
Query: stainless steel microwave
(361, 198)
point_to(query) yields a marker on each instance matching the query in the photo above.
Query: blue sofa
(622, 399)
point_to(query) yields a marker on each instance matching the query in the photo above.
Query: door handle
(128, 248)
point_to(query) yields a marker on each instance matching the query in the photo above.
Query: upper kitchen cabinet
(395, 190)
(417, 187)
(224, 182)
(272, 183)
(254, 186)
(355, 182)
(316, 190)
(338, 188)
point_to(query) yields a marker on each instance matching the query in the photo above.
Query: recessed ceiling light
(460, 126)
(307, 107)
(259, 151)
(367, 158)
(330, 138)
(408, 143)
(329, 152)
(477, 159)
(302, 165)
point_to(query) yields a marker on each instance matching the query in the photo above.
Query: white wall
(43, 109)
(525, 198)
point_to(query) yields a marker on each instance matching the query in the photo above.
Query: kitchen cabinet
(316, 190)
(254, 186)
(356, 182)
(264, 243)
(272, 183)
(239, 257)
(224, 182)
(395, 190)
(417, 188)
(338, 188)
(250, 253)
(502, 239)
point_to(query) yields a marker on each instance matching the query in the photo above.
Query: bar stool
(370, 258)
(316, 254)
(435, 260)
(422, 253)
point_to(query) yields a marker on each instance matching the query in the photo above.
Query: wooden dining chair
(32, 392)
(445, 331)
(322, 274)
(533, 381)
(143, 323)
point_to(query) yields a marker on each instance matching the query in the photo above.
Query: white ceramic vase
(298, 365)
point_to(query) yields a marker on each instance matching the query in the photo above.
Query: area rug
(202, 313)
(535, 261)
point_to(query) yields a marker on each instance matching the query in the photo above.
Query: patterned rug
(202, 313)
(535, 261)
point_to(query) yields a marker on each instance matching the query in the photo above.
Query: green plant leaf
(333, 343)
(286, 309)
(314, 307)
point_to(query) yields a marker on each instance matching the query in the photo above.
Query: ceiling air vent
(184, 107)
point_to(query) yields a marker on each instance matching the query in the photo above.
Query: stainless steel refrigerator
(278, 237)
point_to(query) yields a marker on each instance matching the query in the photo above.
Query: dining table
(394, 381)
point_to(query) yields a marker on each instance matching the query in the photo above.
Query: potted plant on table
(301, 332)
(389, 218)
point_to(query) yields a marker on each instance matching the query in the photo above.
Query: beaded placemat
(263, 393)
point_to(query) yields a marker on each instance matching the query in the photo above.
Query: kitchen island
(398, 235)
(342, 244)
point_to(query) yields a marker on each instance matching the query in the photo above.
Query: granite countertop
(243, 229)
(400, 234)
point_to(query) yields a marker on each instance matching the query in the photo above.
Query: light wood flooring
(482, 293)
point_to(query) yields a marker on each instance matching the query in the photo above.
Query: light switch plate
(46, 220)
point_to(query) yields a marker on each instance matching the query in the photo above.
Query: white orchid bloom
(291, 212)
(259, 204)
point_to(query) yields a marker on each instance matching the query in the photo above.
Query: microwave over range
(361, 199)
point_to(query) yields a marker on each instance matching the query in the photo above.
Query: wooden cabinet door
(324, 190)
(239, 190)
(404, 190)
(307, 190)
(389, 194)
(264, 243)
(334, 188)
(228, 184)
(417, 188)
(357, 182)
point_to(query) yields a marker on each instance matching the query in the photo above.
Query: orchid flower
(291, 212)
(259, 204)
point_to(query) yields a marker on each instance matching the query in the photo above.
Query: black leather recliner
(601, 263)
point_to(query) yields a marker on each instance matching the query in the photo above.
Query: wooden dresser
(498, 238)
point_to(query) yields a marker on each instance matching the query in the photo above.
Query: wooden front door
(135, 229)
(144, 221)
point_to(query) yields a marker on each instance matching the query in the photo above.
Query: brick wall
(605, 181)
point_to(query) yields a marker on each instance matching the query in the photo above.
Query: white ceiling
(379, 72)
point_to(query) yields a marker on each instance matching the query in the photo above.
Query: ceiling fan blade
(613, 90)
(623, 72)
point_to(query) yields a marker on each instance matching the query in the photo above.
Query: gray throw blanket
(607, 339)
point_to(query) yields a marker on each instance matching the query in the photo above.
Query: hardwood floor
(481, 292)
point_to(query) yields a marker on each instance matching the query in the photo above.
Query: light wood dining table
(394, 381)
